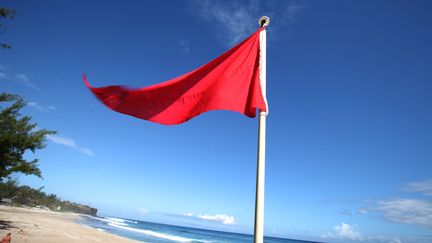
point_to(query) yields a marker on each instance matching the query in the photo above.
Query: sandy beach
(45, 226)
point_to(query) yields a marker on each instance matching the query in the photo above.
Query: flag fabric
(229, 82)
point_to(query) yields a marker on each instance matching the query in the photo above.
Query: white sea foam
(154, 234)
(101, 230)
(96, 218)
(121, 223)
(121, 220)
(111, 220)
(116, 219)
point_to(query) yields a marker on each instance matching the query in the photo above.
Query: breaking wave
(155, 234)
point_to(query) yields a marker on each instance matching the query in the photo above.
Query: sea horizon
(146, 231)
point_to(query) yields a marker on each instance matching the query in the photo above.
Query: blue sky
(349, 85)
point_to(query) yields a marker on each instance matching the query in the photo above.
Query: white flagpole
(260, 177)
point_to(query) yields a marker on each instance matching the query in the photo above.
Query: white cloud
(218, 218)
(63, 141)
(291, 11)
(69, 143)
(39, 107)
(238, 19)
(396, 240)
(143, 210)
(22, 77)
(222, 218)
(86, 151)
(17, 77)
(344, 231)
(363, 210)
(235, 19)
(423, 187)
(184, 45)
(406, 211)
(411, 211)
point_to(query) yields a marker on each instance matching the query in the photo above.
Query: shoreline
(46, 226)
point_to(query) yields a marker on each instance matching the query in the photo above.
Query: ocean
(161, 233)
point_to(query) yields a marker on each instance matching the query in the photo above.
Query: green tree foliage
(18, 135)
(8, 188)
(5, 13)
(25, 195)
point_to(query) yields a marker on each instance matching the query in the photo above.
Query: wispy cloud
(69, 143)
(344, 231)
(345, 212)
(217, 218)
(184, 45)
(42, 108)
(238, 19)
(143, 210)
(363, 210)
(406, 211)
(395, 240)
(413, 211)
(22, 78)
(235, 19)
(423, 187)
(401, 210)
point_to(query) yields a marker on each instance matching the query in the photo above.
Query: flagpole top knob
(264, 21)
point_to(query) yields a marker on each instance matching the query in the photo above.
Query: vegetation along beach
(216, 121)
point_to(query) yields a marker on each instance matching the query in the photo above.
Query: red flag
(229, 82)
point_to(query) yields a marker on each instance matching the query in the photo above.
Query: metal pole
(260, 177)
